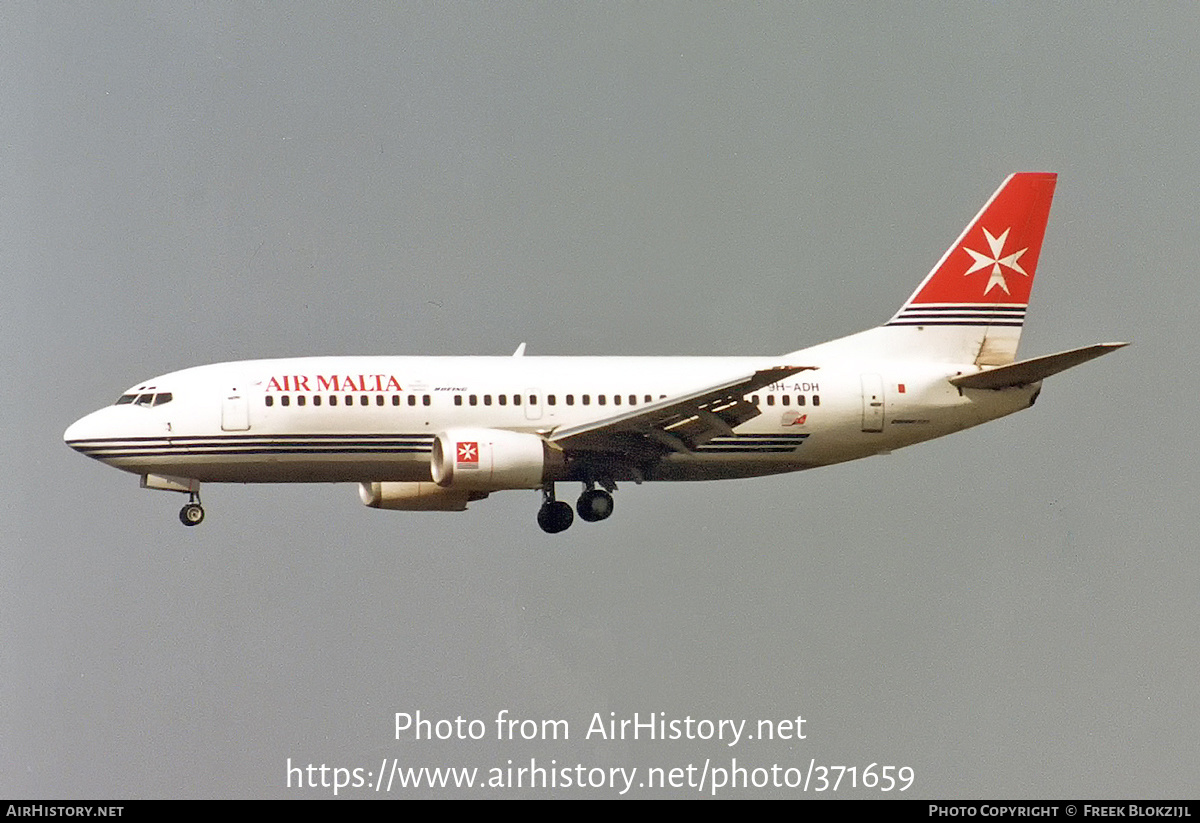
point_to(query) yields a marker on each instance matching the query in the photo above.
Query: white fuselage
(436, 433)
(333, 419)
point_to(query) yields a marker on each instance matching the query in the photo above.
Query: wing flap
(677, 423)
(1033, 370)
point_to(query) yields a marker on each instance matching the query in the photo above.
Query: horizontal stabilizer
(1031, 371)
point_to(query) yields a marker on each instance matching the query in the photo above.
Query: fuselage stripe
(164, 452)
(242, 445)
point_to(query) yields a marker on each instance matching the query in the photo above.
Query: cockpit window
(146, 399)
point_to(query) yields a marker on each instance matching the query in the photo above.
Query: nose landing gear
(192, 514)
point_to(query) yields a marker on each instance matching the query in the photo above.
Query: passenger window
(587, 400)
(474, 401)
(363, 400)
(349, 400)
(754, 399)
(786, 400)
(333, 399)
(533, 399)
(770, 400)
(300, 400)
(269, 400)
(426, 400)
(503, 399)
(516, 399)
(285, 400)
(551, 400)
(800, 401)
(570, 400)
(633, 399)
(816, 399)
(316, 399)
(379, 400)
(412, 399)
(616, 399)
(649, 398)
(487, 400)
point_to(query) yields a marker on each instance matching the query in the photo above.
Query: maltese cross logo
(982, 261)
(468, 455)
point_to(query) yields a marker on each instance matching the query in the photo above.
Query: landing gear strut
(554, 516)
(193, 513)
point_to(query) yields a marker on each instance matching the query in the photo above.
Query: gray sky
(1011, 611)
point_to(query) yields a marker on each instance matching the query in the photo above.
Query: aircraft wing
(678, 423)
(1030, 371)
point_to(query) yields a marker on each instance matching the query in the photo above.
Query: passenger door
(235, 411)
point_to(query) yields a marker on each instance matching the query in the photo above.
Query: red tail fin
(971, 307)
(993, 262)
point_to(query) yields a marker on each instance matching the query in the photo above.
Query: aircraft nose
(82, 430)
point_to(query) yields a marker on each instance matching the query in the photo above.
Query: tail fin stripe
(960, 314)
(1013, 323)
(972, 306)
(955, 323)
(950, 311)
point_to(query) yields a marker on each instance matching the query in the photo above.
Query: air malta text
(334, 382)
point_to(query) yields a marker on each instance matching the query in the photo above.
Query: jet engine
(492, 460)
(416, 497)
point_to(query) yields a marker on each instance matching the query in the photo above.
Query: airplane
(438, 433)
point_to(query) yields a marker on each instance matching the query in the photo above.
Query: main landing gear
(193, 513)
(594, 505)
(556, 516)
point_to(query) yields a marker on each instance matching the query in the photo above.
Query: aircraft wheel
(594, 505)
(191, 515)
(555, 516)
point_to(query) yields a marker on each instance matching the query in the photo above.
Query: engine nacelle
(416, 497)
(491, 460)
